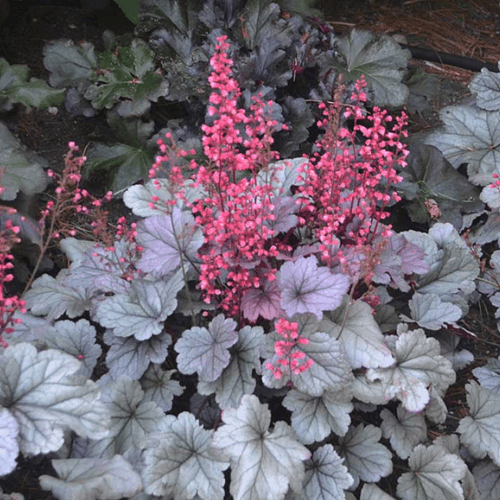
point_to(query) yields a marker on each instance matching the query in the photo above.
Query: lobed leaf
(381, 61)
(471, 136)
(178, 462)
(9, 447)
(41, 390)
(92, 479)
(167, 239)
(53, 297)
(326, 478)
(314, 418)
(131, 357)
(205, 351)
(159, 387)
(481, 431)
(77, 339)
(264, 463)
(132, 420)
(236, 379)
(418, 366)
(357, 331)
(142, 313)
(405, 430)
(486, 87)
(365, 457)
(435, 475)
(305, 288)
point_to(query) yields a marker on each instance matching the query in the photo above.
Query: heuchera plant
(189, 296)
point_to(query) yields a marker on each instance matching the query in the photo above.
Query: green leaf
(125, 164)
(382, 62)
(131, 9)
(258, 18)
(35, 93)
(126, 77)
(69, 64)
(15, 87)
(23, 169)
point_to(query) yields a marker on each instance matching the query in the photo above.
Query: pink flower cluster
(70, 198)
(288, 355)
(348, 184)
(234, 213)
(346, 188)
(8, 305)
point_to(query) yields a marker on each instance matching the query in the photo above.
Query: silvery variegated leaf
(365, 457)
(314, 418)
(329, 371)
(132, 420)
(92, 479)
(131, 357)
(435, 475)
(480, 432)
(159, 387)
(9, 447)
(326, 477)
(307, 288)
(404, 430)
(371, 491)
(42, 391)
(206, 350)
(77, 339)
(236, 379)
(53, 297)
(470, 135)
(143, 311)
(418, 366)
(264, 463)
(360, 336)
(487, 476)
(166, 239)
(178, 463)
(486, 87)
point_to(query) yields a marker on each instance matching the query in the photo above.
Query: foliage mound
(263, 332)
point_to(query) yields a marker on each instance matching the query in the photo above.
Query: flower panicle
(290, 359)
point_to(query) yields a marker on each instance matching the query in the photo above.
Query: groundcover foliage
(263, 332)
